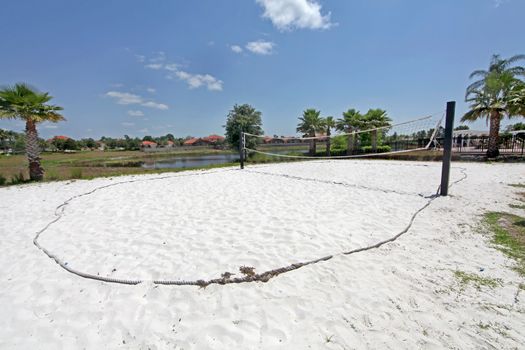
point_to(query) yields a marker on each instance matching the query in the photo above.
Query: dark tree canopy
(243, 118)
(515, 127)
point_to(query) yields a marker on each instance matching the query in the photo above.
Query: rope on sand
(261, 277)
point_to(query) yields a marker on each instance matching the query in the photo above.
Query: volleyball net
(410, 136)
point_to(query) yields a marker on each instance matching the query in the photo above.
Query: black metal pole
(447, 145)
(241, 149)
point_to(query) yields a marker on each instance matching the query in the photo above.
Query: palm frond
(474, 86)
(515, 59)
(25, 102)
(478, 73)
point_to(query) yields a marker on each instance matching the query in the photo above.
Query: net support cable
(427, 120)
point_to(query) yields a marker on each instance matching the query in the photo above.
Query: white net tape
(414, 135)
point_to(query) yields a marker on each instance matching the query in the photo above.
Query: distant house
(170, 144)
(204, 141)
(194, 141)
(213, 139)
(148, 144)
(101, 146)
(468, 138)
(287, 139)
(59, 137)
(469, 133)
(273, 140)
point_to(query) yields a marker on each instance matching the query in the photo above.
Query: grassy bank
(87, 165)
(508, 233)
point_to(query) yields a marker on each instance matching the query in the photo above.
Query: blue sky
(155, 67)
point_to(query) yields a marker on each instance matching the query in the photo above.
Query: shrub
(76, 173)
(338, 143)
(3, 180)
(51, 175)
(379, 149)
(17, 179)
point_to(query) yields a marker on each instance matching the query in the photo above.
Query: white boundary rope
(262, 277)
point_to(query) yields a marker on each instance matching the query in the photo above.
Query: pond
(190, 161)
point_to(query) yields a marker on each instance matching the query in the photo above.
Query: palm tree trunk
(36, 173)
(350, 145)
(328, 141)
(312, 147)
(373, 137)
(493, 147)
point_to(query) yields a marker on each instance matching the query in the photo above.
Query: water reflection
(190, 161)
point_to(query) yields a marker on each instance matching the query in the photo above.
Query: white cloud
(197, 80)
(194, 81)
(160, 57)
(127, 124)
(260, 47)
(291, 14)
(155, 105)
(172, 67)
(136, 113)
(236, 48)
(125, 98)
(51, 126)
(140, 58)
(155, 66)
(151, 90)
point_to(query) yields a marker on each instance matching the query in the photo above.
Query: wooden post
(447, 147)
(241, 149)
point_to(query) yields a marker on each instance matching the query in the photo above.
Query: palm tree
(329, 124)
(24, 102)
(310, 123)
(351, 122)
(375, 118)
(498, 93)
(517, 99)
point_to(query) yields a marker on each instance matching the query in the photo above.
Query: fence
(508, 144)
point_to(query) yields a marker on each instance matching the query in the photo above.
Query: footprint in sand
(367, 322)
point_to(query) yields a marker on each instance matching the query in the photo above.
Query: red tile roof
(148, 143)
(191, 141)
(213, 138)
(59, 137)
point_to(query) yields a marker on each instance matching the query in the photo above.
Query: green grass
(509, 236)
(483, 326)
(93, 164)
(517, 185)
(465, 279)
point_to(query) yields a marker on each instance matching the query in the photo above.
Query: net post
(241, 149)
(447, 147)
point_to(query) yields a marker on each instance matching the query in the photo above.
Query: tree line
(311, 124)
(16, 142)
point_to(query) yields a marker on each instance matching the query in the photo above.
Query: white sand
(188, 227)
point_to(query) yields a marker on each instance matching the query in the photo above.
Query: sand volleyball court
(200, 225)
